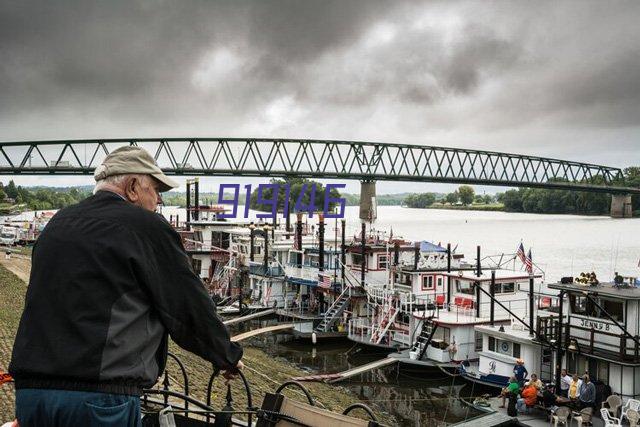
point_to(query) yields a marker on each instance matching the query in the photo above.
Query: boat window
(583, 305)
(464, 287)
(439, 282)
(492, 344)
(614, 307)
(197, 236)
(508, 288)
(516, 350)
(579, 304)
(443, 334)
(427, 282)
(504, 288)
(478, 341)
(383, 262)
(356, 260)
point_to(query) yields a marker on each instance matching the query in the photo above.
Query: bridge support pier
(621, 206)
(368, 205)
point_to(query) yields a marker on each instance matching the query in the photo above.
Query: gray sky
(557, 78)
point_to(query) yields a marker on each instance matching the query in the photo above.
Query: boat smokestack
(449, 276)
(492, 292)
(299, 239)
(343, 248)
(252, 241)
(396, 253)
(479, 266)
(416, 255)
(363, 250)
(287, 224)
(321, 242)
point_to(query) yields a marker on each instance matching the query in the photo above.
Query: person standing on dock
(520, 372)
(565, 383)
(587, 398)
(110, 281)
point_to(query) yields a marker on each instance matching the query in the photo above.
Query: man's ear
(130, 189)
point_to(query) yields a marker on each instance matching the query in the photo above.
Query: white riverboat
(589, 328)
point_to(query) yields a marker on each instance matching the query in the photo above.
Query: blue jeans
(59, 408)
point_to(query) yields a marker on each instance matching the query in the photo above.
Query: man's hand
(232, 374)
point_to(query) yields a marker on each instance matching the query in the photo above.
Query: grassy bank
(263, 372)
(12, 291)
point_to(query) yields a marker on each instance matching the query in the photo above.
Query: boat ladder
(424, 339)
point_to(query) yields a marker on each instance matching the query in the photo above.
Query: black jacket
(108, 281)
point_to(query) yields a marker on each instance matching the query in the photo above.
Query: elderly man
(109, 282)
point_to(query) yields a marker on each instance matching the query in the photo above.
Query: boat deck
(459, 316)
(497, 416)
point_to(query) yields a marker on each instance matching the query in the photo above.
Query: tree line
(542, 200)
(41, 198)
(535, 200)
(465, 195)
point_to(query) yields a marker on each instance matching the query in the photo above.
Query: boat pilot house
(600, 333)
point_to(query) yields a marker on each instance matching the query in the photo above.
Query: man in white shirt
(565, 383)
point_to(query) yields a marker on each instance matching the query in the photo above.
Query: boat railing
(610, 344)
(259, 269)
(305, 272)
(362, 330)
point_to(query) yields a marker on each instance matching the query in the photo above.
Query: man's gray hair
(116, 180)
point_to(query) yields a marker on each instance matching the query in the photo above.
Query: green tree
(632, 179)
(297, 185)
(11, 190)
(512, 200)
(488, 199)
(421, 201)
(452, 197)
(466, 194)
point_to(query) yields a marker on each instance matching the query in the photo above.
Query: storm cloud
(547, 78)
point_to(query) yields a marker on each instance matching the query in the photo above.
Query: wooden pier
(250, 316)
(340, 376)
(253, 333)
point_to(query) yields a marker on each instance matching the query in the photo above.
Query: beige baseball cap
(133, 160)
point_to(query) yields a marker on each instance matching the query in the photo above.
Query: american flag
(521, 254)
(529, 263)
(324, 281)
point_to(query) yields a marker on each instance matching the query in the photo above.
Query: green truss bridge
(364, 161)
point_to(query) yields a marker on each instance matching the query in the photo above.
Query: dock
(253, 333)
(496, 416)
(250, 316)
(340, 376)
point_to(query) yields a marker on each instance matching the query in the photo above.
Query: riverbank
(264, 372)
(498, 207)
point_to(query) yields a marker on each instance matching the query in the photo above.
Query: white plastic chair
(583, 417)
(631, 404)
(609, 421)
(612, 404)
(633, 417)
(560, 416)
